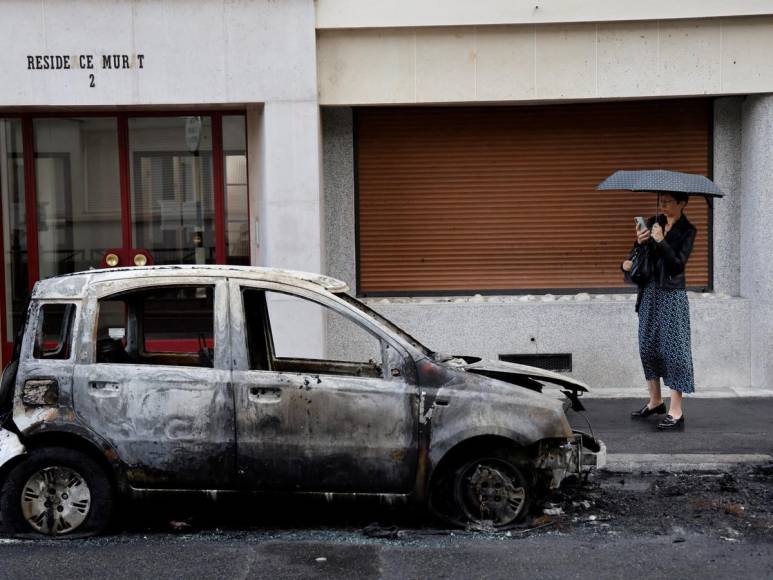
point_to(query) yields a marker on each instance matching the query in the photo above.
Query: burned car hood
(532, 378)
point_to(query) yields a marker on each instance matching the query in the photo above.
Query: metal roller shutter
(501, 199)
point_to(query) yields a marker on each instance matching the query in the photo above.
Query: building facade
(439, 156)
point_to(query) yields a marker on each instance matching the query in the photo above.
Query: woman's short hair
(680, 197)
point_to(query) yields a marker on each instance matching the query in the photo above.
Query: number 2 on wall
(91, 78)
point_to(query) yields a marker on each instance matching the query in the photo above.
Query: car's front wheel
(56, 491)
(491, 492)
(484, 490)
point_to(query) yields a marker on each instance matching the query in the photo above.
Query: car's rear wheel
(56, 491)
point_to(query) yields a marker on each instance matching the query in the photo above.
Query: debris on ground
(180, 526)
(732, 505)
(376, 530)
(553, 510)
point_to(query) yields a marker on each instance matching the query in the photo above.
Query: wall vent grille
(560, 363)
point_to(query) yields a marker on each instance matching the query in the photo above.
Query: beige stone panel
(566, 61)
(505, 69)
(445, 65)
(627, 61)
(366, 66)
(689, 57)
(747, 55)
(397, 13)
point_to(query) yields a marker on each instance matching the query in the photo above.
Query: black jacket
(670, 256)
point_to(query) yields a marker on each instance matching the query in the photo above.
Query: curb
(680, 462)
(638, 393)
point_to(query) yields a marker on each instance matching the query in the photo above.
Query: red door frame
(30, 191)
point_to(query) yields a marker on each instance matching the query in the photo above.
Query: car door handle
(104, 388)
(103, 385)
(265, 394)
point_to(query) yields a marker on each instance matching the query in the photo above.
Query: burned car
(211, 379)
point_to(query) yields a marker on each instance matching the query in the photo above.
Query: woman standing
(664, 312)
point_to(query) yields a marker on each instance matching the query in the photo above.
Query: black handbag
(641, 268)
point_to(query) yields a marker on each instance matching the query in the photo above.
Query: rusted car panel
(171, 427)
(221, 423)
(317, 433)
(469, 406)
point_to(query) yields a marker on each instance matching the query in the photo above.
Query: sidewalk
(719, 432)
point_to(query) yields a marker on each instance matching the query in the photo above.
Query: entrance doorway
(118, 190)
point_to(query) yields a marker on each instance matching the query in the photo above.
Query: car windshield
(385, 322)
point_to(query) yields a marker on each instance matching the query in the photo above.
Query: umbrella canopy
(661, 181)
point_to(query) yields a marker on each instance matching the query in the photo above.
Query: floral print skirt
(664, 337)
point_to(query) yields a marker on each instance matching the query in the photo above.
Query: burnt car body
(101, 402)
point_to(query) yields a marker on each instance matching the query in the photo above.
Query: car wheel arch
(467, 447)
(102, 454)
(7, 467)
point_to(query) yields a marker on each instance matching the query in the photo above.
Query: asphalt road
(726, 426)
(342, 555)
(613, 526)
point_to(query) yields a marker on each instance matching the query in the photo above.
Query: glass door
(77, 192)
(14, 273)
(172, 189)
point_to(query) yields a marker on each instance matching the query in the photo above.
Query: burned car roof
(74, 285)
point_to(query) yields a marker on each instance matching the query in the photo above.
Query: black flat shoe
(645, 411)
(671, 424)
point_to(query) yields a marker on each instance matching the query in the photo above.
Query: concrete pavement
(719, 432)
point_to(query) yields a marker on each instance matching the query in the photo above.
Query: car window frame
(221, 315)
(36, 318)
(240, 344)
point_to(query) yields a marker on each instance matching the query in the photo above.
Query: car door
(308, 418)
(155, 382)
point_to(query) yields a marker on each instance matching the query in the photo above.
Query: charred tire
(57, 492)
(488, 491)
(7, 383)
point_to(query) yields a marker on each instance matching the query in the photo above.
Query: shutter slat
(503, 198)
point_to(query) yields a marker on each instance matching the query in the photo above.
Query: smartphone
(640, 222)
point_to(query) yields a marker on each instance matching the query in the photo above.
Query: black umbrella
(662, 181)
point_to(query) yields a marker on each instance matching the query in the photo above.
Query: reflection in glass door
(78, 193)
(172, 200)
(14, 228)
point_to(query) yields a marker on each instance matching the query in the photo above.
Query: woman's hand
(642, 236)
(657, 233)
(627, 265)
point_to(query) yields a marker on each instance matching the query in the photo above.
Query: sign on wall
(85, 62)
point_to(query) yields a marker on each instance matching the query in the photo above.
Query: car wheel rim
(56, 500)
(491, 493)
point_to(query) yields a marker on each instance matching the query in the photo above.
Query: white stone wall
(756, 195)
(727, 175)
(195, 52)
(599, 331)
